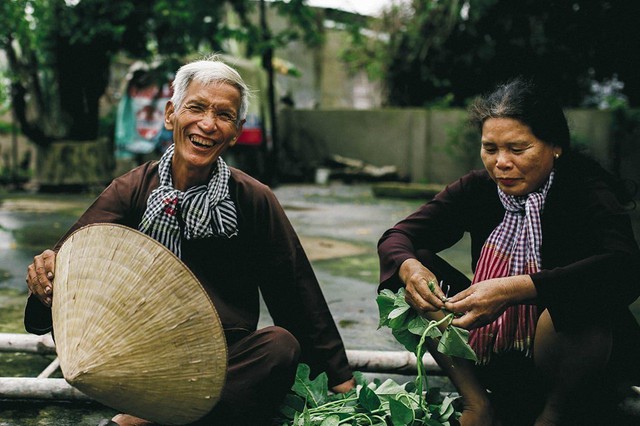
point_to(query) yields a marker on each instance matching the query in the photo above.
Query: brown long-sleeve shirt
(265, 256)
(590, 260)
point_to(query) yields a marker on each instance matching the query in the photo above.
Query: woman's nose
(503, 160)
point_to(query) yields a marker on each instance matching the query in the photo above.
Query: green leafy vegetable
(386, 403)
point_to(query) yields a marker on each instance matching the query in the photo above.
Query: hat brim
(134, 328)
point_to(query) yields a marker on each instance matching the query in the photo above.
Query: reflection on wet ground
(344, 219)
(22, 235)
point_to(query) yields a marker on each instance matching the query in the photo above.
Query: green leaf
(446, 408)
(400, 300)
(389, 388)
(454, 342)
(331, 421)
(385, 302)
(291, 405)
(409, 340)
(360, 378)
(314, 391)
(399, 322)
(397, 312)
(368, 399)
(417, 325)
(401, 415)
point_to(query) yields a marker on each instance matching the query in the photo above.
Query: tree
(59, 51)
(460, 48)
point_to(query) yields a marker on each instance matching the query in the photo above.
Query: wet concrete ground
(350, 213)
(339, 226)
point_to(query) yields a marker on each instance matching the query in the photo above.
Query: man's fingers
(49, 259)
(39, 276)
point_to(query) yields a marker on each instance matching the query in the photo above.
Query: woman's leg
(571, 362)
(477, 408)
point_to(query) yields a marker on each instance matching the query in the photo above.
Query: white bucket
(322, 176)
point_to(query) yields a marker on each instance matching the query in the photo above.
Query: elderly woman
(555, 267)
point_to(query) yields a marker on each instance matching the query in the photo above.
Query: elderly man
(230, 230)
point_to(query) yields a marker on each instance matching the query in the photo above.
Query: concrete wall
(417, 141)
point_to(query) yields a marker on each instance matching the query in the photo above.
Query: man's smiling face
(204, 126)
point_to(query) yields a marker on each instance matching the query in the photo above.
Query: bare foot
(127, 420)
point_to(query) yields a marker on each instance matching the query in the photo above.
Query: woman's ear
(557, 152)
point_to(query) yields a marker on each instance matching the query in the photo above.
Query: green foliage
(371, 403)
(59, 52)
(382, 403)
(463, 144)
(427, 49)
(410, 328)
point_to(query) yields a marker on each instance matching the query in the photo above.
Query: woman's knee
(585, 348)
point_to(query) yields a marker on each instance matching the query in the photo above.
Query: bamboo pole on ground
(34, 388)
(390, 362)
(51, 368)
(394, 362)
(29, 343)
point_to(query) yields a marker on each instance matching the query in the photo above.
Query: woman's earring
(556, 155)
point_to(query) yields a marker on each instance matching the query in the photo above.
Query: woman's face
(516, 160)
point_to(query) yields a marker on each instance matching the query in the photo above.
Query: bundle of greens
(385, 403)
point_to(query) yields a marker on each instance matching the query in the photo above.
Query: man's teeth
(202, 142)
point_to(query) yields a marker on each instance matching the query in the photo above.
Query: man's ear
(238, 131)
(169, 114)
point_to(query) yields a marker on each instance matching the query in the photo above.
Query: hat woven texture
(134, 328)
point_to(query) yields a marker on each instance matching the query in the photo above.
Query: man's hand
(40, 276)
(423, 292)
(345, 386)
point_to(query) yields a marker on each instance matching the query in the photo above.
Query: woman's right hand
(40, 276)
(422, 290)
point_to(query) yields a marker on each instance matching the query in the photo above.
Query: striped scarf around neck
(513, 248)
(202, 211)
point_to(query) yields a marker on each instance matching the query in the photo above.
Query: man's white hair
(208, 71)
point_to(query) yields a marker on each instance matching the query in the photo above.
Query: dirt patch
(326, 248)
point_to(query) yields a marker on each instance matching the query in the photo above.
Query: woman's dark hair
(533, 104)
(528, 102)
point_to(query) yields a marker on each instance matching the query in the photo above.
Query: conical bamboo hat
(134, 329)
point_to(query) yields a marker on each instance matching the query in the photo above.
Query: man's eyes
(222, 115)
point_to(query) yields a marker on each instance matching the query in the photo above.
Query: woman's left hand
(485, 301)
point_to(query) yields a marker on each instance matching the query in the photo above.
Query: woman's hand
(40, 276)
(423, 292)
(485, 301)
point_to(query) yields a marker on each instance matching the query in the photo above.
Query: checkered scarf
(513, 248)
(199, 212)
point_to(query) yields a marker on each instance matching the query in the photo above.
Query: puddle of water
(23, 235)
